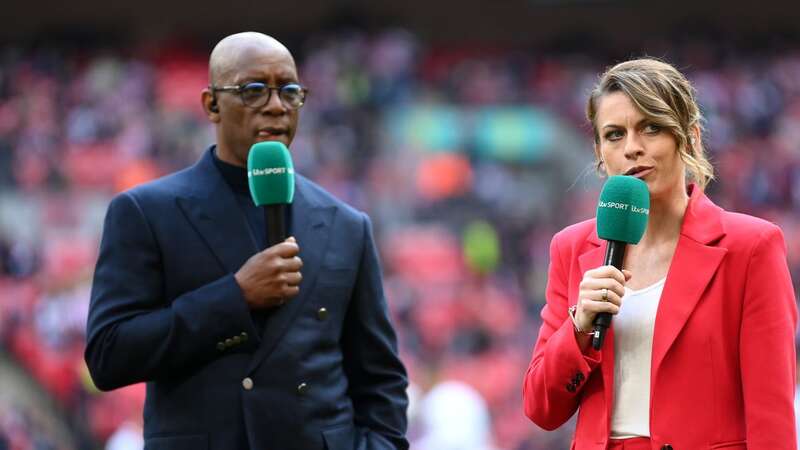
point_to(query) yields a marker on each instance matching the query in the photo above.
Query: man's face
(240, 126)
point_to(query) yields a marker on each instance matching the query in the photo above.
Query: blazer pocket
(741, 445)
(339, 438)
(187, 442)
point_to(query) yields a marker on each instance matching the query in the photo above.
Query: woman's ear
(695, 136)
(599, 164)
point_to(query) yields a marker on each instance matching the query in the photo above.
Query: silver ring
(605, 294)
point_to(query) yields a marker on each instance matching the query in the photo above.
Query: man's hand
(272, 276)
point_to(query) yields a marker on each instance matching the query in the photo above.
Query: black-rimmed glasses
(256, 94)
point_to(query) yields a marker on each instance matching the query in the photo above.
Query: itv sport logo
(270, 171)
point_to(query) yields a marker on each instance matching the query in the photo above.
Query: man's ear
(210, 106)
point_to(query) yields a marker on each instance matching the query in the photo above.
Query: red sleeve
(558, 370)
(767, 356)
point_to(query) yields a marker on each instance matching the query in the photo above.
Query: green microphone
(270, 174)
(621, 220)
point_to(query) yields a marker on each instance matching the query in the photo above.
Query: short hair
(665, 97)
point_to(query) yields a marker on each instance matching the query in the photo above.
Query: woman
(701, 351)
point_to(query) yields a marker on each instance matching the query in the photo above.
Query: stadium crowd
(420, 137)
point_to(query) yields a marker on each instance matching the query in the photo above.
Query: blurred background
(457, 125)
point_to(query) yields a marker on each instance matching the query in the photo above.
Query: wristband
(578, 330)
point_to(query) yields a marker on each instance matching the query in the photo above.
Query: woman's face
(630, 144)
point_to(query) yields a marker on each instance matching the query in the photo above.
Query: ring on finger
(605, 294)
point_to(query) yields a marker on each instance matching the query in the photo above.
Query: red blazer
(723, 364)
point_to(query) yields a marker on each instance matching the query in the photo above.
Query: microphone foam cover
(270, 174)
(623, 209)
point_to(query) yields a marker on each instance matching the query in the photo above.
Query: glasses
(256, 95)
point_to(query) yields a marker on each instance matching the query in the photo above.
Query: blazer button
(247, 383)
(221, 346)
(236, 340)
(302, 388)
(570, 387)
(244, 336)
(579, 376)
(322, 313)
(229, 342)
(666, 447)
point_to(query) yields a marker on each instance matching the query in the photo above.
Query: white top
(633, 348)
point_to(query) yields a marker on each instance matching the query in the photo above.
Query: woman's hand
(601, 290)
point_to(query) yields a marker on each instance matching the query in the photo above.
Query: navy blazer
(166, 310)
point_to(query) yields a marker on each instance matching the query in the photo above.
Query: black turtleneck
(236, 178)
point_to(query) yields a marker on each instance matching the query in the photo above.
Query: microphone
(621, 220)
(270, 174)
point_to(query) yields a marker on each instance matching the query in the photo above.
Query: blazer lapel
(311, 225)
(693, 266)
(592, 258)
(212, 209)
(210, 206)
(686, 281)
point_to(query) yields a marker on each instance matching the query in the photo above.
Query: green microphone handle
(615, 254)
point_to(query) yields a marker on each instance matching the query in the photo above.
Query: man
(284, 348)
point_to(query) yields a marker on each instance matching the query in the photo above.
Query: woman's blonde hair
(666, 98)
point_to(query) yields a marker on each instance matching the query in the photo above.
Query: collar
(234, 176)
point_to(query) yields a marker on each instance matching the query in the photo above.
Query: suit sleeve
(767, 346)
(558, 370)
(133, 333)
(377, 378)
